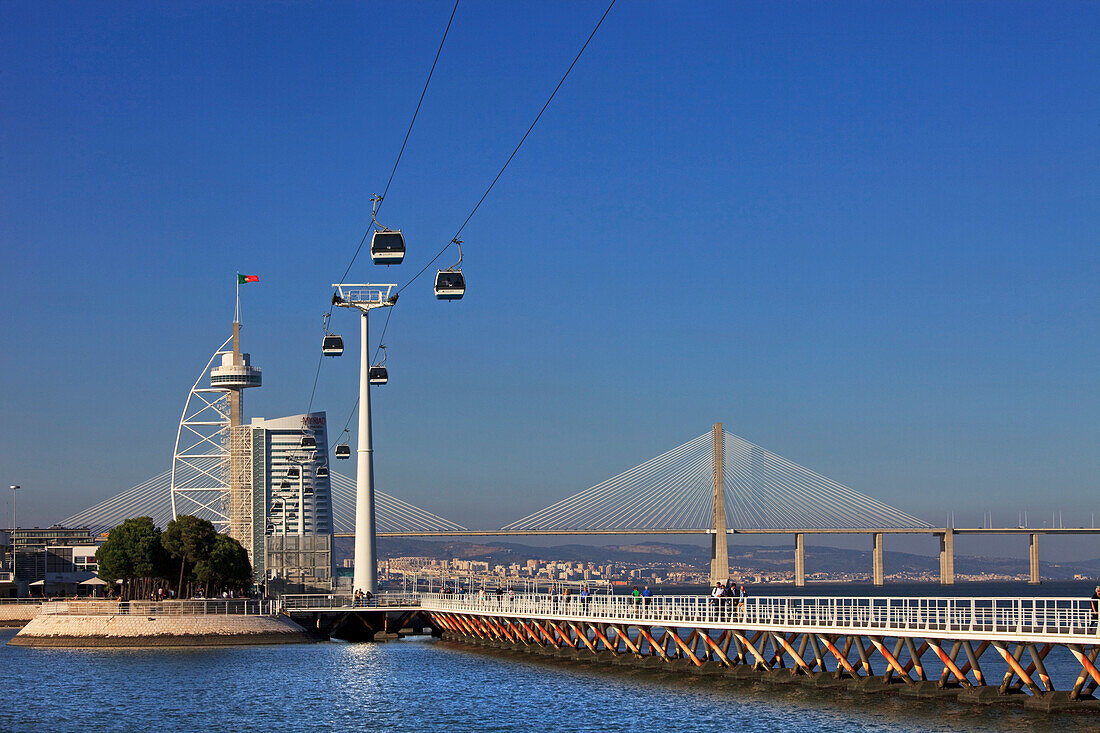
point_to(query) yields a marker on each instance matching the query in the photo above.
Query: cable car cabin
(322, 471)
(449, 285)
(343, 451)
(378, 375)
(308, 491)
(308, 441)
(332, 345)
(285, 484)
(387, 247)
(293, 472)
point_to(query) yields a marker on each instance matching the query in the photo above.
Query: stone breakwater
(17, 614)
(129, 630)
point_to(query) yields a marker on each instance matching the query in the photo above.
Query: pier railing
(341, 601)
(1018, 617)
(224, 607)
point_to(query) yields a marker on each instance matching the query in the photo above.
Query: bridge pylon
(719, 550)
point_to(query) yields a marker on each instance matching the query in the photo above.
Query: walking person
(741, 603)
(636, 597)
(647, 598)
(716, 600)
(1094, 603)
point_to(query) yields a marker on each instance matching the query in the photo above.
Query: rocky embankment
(17, 614)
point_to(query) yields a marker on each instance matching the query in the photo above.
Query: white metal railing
(230, 607)
(879, 615)
(323, 601)
(20, 601)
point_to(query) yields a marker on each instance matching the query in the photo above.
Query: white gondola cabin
(332, 345)
(449, 285)
(343, 451)
(387, 247)
(378, 375)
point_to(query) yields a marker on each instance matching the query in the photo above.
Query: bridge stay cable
(675, 491)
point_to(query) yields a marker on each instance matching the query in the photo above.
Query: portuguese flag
(242, 279)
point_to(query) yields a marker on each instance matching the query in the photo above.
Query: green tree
(225, 566)
(132, 552)
(189, 539)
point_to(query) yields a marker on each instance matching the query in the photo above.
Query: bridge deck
(825, 640)
(1035, 620)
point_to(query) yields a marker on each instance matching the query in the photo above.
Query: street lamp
(14, 488)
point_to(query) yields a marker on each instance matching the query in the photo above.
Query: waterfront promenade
(985, 650)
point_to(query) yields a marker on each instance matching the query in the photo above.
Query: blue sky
(862, 235)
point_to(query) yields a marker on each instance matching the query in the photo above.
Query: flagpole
(237, 313)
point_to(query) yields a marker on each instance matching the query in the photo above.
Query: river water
(428, 685)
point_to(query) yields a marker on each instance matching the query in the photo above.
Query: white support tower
(211, 464)
(365, 298)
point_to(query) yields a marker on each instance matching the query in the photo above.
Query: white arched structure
(200, 462)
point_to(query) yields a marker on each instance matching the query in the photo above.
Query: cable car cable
(408, 132)
(389, 181)
(516, 150)
(487, 190)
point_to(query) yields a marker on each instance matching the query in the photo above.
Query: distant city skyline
(863, 237)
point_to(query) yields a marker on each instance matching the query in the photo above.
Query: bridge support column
(799, 560)
(947, 557)
(1033, 559)
(719, 550)
(877, 574)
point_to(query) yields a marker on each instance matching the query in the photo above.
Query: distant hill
(819, 558)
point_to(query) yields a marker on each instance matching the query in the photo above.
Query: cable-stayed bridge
(152, 498)
(676, 491)
(715, 484)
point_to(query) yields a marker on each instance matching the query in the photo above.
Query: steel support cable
(648, 503)
(385, 191)
(756, 513)
(841, 493)
(686, 495)
(404, 142)
(652, 498)
(612, 488)
(395, 510)
(642, 503)
(516, 150)
(862, 510)
(801, 484)
(778, 480)
(672, 481)
(698, 509)
(676, 486)
(771, 504)
(776, 492)
(594, 495)
(737, 512)
(740, 499)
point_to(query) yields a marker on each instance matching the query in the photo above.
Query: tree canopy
(133, 550)
(189, 550)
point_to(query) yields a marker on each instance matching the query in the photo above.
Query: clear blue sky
(862, 235)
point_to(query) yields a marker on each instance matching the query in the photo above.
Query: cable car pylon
(364, 298)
